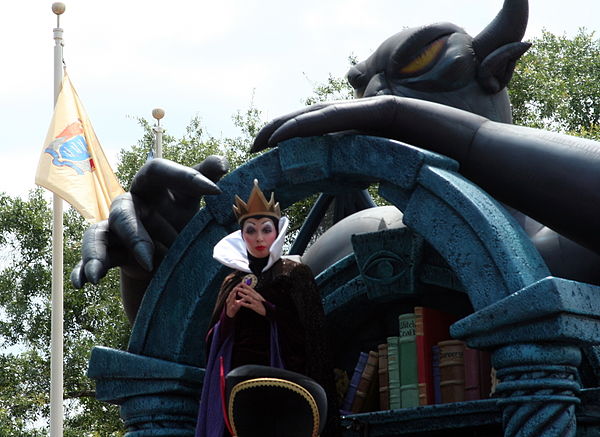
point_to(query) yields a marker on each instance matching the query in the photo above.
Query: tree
(92, 316)
(556, 85)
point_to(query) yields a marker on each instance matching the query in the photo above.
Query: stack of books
(420, 366)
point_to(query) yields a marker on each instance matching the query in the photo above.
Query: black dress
(294, 304)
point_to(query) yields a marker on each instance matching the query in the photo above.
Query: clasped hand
(243, 295)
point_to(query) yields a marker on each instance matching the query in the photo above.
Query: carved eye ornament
(384, 267)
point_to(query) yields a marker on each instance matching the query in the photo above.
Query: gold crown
(257, 205)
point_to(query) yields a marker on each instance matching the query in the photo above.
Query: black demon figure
(433, 87)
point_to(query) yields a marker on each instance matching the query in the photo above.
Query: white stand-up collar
(232, 251)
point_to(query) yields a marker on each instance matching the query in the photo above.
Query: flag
(72, 164)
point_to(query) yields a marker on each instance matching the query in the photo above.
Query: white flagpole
(56, 334)
(158, 114)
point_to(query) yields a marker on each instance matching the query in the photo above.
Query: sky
(204, 58)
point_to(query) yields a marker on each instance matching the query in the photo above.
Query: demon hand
(143, 224)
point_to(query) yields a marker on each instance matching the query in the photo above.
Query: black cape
(296, 307)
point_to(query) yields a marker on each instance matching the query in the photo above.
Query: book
(432, 326)
(354, 381)
(342, 382)
(372, 398)
(366, 384)
(495, 381)
(384, 389)
(472, 375)
(409, 390)
(452, 371)
(393, 373)
(485, 374)
(478, 374)
(435, 364)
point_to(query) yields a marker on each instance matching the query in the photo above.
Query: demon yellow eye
(428, 55)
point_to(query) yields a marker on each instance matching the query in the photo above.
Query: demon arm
(553, 178)
(143, 224)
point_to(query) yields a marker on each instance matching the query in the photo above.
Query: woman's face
(259, 234)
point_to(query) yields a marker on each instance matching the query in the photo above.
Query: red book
(432, 326)
(472, 375)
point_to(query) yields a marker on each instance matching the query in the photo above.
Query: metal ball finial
(58, 8)
(158, 113)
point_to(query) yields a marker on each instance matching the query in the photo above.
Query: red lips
(260, 248)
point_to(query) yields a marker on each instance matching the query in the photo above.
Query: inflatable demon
(433, 87)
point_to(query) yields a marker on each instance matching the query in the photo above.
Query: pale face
(259, 235)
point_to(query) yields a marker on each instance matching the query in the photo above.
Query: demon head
(442, 63)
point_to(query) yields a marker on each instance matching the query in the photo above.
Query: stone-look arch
(158, 380)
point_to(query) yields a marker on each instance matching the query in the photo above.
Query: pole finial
(58, 8)
(158, 114)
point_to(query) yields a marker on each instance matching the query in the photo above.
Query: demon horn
(508, 26)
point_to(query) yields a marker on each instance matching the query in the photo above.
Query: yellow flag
(73, 164)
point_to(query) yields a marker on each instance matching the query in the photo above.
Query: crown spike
(257, 204)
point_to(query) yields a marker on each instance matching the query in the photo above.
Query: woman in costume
(268, 310)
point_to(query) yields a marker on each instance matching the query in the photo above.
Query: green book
(407, 346)
(394, 373)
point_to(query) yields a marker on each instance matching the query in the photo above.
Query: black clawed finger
(214, 167)
(95, 260)
(126, 223)
(366, 114)
(160, 174)
(263, 139)
(78, 278)
(95, 270)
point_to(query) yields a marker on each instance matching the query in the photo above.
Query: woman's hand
(243, 295)
(232, 305)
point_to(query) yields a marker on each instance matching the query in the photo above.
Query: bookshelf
(405, 374)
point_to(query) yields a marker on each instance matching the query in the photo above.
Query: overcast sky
(204, 58)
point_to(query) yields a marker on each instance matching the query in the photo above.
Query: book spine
(485, 374)
(435, 365)
(452, 371)
(409, 389)
(422, 366)
(393, 373)
(354, 381)
(494, 382)
(384, 388)
(367, 380)
(431, 327)
(472, 368)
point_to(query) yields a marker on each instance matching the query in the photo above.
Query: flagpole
(56, 333)
(158, 114)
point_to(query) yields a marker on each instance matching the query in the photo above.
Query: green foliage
(92, 316)
(334, 88)
(556, 85)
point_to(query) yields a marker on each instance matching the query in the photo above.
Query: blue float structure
(458, 242)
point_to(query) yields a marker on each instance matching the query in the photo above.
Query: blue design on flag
(70, 149)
